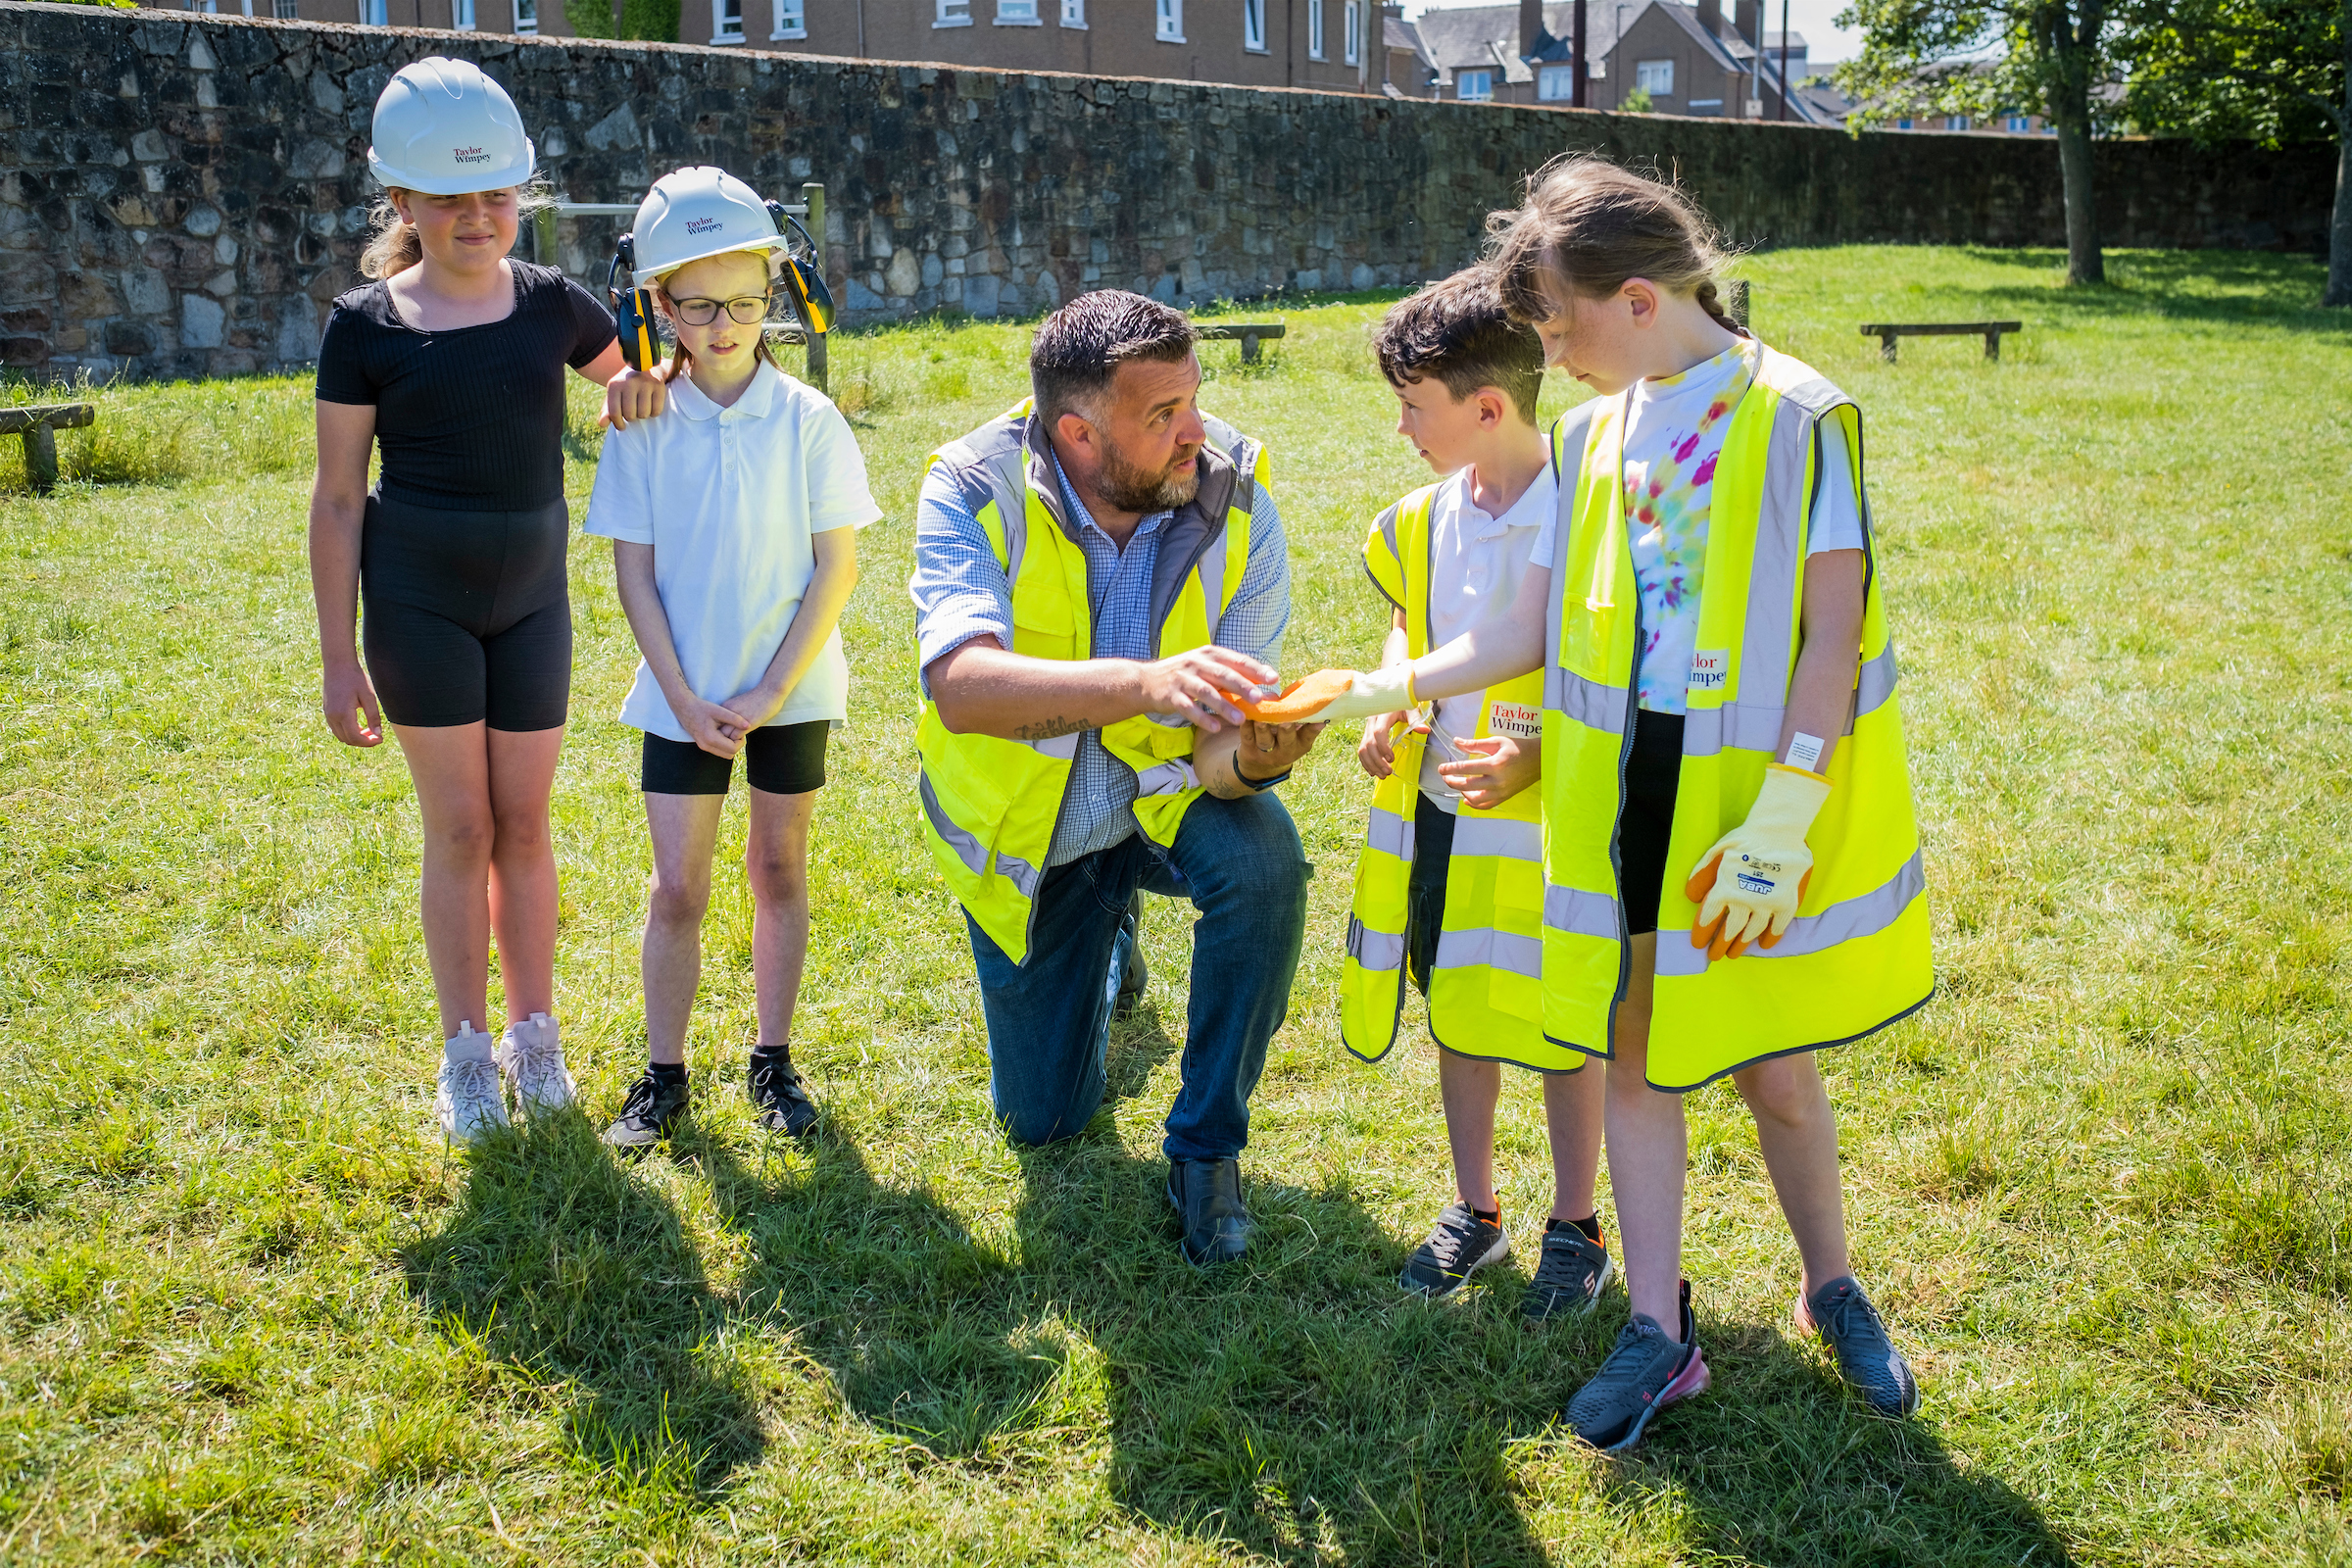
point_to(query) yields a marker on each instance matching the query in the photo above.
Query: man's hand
(1502, 767)
(633, 395)
(716, 729)
(1377, 751)
(348, 698)
(1233, 765)
(1199, 685)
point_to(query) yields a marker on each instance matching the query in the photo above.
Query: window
(1955, 123)
(792, 20)
(461, 15)
(1904, 123)
(1655, 77)
(285, 10)
(1352, 20)
(1557, 84)
(1254, 26)
(1073, 13)
(1315, 30)
(952, 13)
(212, 7)
(2015, 121)
(1170, 17)
(1018, 14)
(526, 16)
(1474, 86)
(727, 20)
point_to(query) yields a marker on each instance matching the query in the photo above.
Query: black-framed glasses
(746, 309)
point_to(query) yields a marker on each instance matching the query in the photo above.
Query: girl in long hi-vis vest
(1731, 866)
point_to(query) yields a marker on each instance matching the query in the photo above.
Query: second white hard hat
(442, 129)
(693, 213)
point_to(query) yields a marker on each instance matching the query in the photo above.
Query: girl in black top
(451, 362)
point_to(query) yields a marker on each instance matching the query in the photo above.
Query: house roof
(1487, 37)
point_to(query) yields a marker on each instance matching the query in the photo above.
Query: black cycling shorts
(777, 759)
(1653, 773)
(466, 616)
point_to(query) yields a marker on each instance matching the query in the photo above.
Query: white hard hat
(444, 128)
(693, 213)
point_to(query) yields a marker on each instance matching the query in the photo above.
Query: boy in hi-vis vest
(1449, 886)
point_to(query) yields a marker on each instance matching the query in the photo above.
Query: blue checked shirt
(961, 593)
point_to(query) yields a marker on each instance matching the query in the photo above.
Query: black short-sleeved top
(471, 419)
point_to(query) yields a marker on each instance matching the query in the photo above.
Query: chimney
(1530, 22)
(1710, 18)
(1750, 21)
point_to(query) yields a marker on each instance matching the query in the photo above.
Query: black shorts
(466, 616)
(777, 759)
(1652, 774)
(1425, 888)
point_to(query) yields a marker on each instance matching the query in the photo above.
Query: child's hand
(1500, 769)
(756, 706)
(633, 395)
(715, 727)
(1376, 752)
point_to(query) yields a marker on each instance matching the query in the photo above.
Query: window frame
(1167, 21)
(952, 13)
(526, 16)
(790, 18)
(461, 14)
(719, 19)
(1253, 26)
(375, 13)
(1484, 76)
(1008, 13)
(1550, 76)
(1351, 21)
(1655, 77)
(1315, 30)
(1074, 14)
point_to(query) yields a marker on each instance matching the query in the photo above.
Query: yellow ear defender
(632, 312)
(812, 301)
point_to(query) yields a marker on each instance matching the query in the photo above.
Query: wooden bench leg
(1992, 345)
(40, 458)
(1886, 342)
(1249, 347)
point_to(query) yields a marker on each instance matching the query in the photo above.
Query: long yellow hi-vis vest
(989, 804)
(1486, 983)
(1856, 956)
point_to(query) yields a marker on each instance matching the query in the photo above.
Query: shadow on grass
(1776, 1465)
(2268, 287)
(567, 1267)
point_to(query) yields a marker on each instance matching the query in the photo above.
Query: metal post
(814, 198)
(1583, 67)
(1784, 61)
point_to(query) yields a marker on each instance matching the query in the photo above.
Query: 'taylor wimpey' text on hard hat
(699, 212)
(442, 129)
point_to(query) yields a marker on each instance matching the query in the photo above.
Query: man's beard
(1130, 488)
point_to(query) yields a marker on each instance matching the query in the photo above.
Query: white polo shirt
(1476, 564)
(731, 500)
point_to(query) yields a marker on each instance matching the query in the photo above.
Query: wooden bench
(1249, 335)
(39, 424)
(1889, 333)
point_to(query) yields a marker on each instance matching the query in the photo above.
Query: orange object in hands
(1302, 699)
(1710, 936)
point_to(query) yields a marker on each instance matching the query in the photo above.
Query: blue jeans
(1049, 1020)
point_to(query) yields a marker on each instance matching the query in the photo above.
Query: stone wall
(184, 195)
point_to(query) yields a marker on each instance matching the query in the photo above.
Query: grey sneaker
(1460, 1246)
(649, 1114)
(1866, 1357)
(779, 1096)
(1569, 1278)
(465, 1098)
(530, 1061)
(1645, 1372)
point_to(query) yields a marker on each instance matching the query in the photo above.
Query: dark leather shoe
(1207, 1195)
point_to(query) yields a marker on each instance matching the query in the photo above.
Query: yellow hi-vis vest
(1486, 983)
(989, 804)
(1856, 956)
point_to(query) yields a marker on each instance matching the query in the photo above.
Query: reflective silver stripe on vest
(970, 850)
(1581, 913)
(1876, 683)
(1372, 949)
(1063, 746)
(1593, 704)
(1754, 727)
(1503, 836)
(1390, 833)
(1865, 915)
(1496, 949)
(1168, 778)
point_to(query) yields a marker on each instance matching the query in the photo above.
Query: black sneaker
(1866, 1357)
(1644, 1373)
(1135, 978)
(781, 1096)
(1569, 1278)
(1460, 1246)
(651, 1111)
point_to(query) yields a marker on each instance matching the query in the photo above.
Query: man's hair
(1079, 348)
(1457, 332)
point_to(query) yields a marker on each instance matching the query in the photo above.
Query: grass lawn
(250, 1310)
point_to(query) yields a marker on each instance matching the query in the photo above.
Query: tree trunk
(2084, 263)
(2339, 237)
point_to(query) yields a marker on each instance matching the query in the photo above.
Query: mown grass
(253, 1312)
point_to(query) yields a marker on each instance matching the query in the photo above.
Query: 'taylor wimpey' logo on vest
(469, 155)
(703, 226)
(1520, 720)
(1710, 668)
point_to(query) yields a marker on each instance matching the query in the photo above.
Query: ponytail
(1588, 226)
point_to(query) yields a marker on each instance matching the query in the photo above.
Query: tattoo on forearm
(1048, 729)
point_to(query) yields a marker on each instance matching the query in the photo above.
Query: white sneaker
(467, 1099)
(530, 1061)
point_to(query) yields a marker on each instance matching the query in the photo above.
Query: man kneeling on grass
(1097, 574)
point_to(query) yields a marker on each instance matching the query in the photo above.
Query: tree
(2275, 71)
(1978, 57)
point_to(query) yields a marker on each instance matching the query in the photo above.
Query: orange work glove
(1768, 864)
